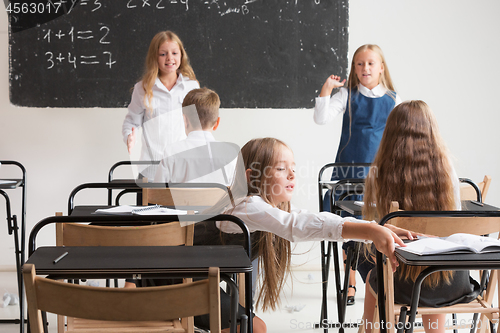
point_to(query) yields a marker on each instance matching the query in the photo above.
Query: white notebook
(140, 210)
(456, 243)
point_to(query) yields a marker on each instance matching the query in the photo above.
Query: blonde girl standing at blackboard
(156, 103)
(366, 103)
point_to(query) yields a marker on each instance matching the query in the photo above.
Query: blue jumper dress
(362, 131)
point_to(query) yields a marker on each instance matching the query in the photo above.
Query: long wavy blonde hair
(353, 80)
(274, 252)
(411, 167)
(151, 67)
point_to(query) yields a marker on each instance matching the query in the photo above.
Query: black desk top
(355, 209)
(482, 260)
(148, 261)
(7, 184)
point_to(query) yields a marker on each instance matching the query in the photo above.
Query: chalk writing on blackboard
(254, 53)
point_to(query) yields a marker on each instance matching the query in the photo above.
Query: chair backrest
(468, 192)
(184, 196)
(167, 234)
(122, 304)
(443, 226)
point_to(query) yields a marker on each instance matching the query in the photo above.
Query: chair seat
(91, 326)
(477, 306)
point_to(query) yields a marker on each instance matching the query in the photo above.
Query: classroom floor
(299, 310)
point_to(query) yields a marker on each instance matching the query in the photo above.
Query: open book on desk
(140, 210)
(456, 243)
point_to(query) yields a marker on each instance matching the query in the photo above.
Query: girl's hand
(131, 140)
(332, 82)
(383, 239)
(403, 232)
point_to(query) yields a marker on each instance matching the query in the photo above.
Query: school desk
(132, 185)
(18, 231)
(143, 262)
(484, 261)
(354, 208)
(121, 262)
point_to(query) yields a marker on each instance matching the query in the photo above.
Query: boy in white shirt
(199, 158)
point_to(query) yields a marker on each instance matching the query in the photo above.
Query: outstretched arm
(383, 238)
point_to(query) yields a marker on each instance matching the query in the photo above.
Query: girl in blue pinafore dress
(366, 103)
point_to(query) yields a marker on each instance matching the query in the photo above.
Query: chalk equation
(73, 60)
(225, 7)
(71, 34)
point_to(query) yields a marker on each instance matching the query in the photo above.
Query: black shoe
(350, 299)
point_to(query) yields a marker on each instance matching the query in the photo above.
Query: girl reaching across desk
(412, 167)
(156, 103)
(274, 223)
(366, 102)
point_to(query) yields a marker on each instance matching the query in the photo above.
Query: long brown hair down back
(411, 167)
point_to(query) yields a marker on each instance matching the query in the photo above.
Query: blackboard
(254, 53)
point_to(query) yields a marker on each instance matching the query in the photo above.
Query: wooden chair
(167, 234)
(468, 192)
(444, 226)
(185, 195)
(191, 195)
(149, 307)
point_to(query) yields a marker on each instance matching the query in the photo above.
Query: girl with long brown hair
(157, 99)
(274, 223)
(412, 167)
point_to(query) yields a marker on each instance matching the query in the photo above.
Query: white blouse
(163, 124)
(298, 225)
(327, 108)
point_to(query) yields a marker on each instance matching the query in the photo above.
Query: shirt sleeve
(327, 108)
(136, 109)
(296, 226)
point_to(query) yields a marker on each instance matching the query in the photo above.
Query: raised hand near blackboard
(156, 103)
(331, 83)
(366, 101)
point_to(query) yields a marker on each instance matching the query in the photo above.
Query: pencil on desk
(60, 257)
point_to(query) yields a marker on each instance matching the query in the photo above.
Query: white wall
(443, 52)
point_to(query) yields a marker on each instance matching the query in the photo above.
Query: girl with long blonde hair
(156, 103)
(413, 167)
(366, 101)
(274, 223)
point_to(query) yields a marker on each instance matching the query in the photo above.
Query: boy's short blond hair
(207, 104)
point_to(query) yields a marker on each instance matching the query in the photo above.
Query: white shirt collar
(180, 80)
(378, 91)
(201, 136)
